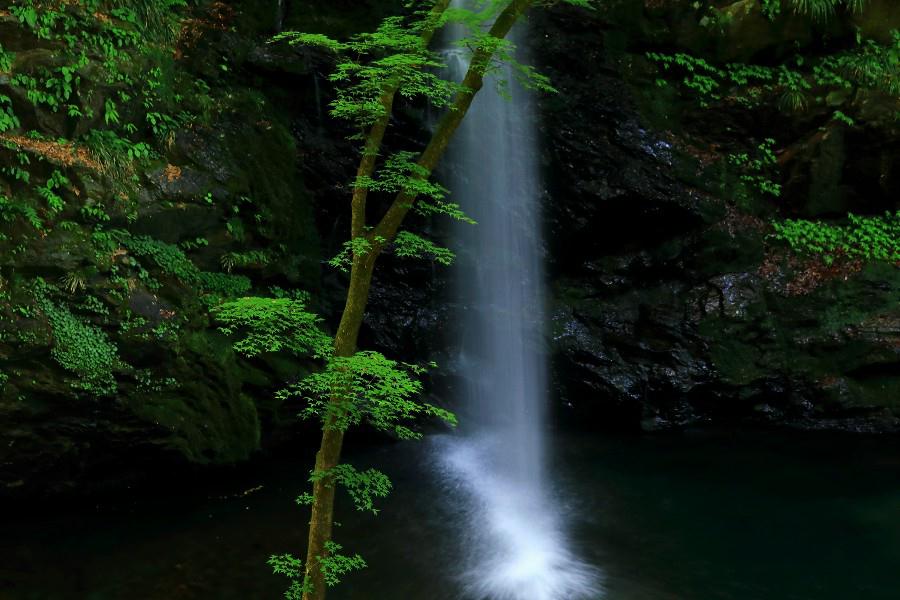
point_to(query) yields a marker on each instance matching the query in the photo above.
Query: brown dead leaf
(66, 154)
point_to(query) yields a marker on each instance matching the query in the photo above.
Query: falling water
(317, 91)
(280, 10)
(515, 544)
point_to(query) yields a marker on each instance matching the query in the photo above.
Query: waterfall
(513, 530)
(280, 11)
(317, 92)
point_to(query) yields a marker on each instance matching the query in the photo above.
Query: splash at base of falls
(515, 547)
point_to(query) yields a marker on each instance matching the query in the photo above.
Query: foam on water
(516, 548)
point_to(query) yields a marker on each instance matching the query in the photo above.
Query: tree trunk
(329, 454)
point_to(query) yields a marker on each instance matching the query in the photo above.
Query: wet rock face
(668, 309)
(730, 349)
(267, 175)
(180, 394)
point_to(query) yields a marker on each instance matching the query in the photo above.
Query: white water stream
(514, 531)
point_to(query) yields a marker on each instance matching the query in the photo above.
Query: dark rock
(664, 314)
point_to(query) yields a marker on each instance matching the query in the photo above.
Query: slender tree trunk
(329, 454)
(375, 136)
(320, 523)
(328, 457)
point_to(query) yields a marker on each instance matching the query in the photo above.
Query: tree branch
(390, 223)
(375, 137)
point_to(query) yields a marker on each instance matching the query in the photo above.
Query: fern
(820, 10)
(862, 238)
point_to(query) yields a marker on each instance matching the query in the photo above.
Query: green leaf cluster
(366, 388)
(394, 56)
(334, 566)
(173, 261)
(400, 173)
(79, 347)
(410, 245)
(757, 171)
(273, 325)
(292, 568)
(869, 67)
(240, 260)
(862, 238)
(362, 486)
(822, 9)
(356, 247)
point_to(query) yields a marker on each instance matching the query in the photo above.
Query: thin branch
(390, 223)
(375, 137)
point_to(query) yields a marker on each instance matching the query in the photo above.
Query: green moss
(208, 417)
(173, 261)
(206, 429)
(876, 391)
(839, 339)
(79, 347)
(827, 172)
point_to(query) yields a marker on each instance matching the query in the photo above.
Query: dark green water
(699, 517)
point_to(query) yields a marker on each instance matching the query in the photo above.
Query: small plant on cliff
(111, 83)
(863, 238)
(817, 9)
(847, 83)
(755, 169)
(78, 346)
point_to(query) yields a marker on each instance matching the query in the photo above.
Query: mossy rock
(845, 331)
(207, 416)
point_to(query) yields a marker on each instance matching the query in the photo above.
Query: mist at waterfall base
(514, 537)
